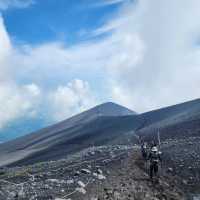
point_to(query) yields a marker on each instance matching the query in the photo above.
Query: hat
(154, 149)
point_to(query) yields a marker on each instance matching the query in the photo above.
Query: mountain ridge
(97, 126)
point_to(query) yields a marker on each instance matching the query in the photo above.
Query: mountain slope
(68, 136)
(105, 124)
(175, 117)
(179, 112)
(23, 126)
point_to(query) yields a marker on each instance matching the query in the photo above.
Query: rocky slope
(107, 172)
(95, 156)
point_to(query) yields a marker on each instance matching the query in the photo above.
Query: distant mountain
(105, 124)
(23, 126)
(67, 135)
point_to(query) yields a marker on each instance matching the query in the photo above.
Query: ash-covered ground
(107, 172)
(182, 156)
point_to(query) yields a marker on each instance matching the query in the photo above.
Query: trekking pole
(161, 168)
(145, 165)
(159, 143)
(158, 134)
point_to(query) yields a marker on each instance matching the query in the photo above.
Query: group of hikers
(151, 153)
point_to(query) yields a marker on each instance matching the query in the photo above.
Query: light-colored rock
(81, 190)
(85, 171)
(101, 177)
(81, 184)
(71, 181)
(99, 171)
(95, 174)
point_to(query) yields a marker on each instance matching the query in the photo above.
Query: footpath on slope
(127, 179)
(106, 172)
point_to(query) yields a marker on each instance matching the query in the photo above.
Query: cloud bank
(24, 71)
(148, 59)
(16, 100)
(166, 68)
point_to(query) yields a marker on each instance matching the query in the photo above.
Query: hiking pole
(159, 143)
(158, 135)
(146, 169)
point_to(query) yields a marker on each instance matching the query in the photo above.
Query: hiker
(144, 150)
(154, 158)
(153, 144)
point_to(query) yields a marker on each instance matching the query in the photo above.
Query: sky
(59, 58)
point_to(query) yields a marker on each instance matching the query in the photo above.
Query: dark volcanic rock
(55, 180)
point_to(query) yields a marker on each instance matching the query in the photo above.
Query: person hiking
(144, 150)
(154, 158)
(153, 144)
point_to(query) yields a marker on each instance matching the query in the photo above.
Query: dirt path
(127, 179)
(109, 173)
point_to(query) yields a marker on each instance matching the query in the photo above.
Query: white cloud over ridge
(71, 99)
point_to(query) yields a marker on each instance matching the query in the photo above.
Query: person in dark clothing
(154, 158)
(144, 150)
(153, 144)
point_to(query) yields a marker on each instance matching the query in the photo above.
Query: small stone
(85, 171)
(99, 171)
(77, 173)
(81, 184)
(71, 181)
(170, 170)
(101, 177)
(184, 182)
(81, 190)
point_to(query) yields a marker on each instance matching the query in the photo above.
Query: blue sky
(50, 20)
(59, 58)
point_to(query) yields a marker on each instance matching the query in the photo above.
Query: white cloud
(147, 55)
(68, 100)
(5, 50)
(150, 56)
(110, 2)
(5, 41)
(39, 66)
(17, 102)
(32, 89)
(5, 4)
(54, 62)
(154, 61)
